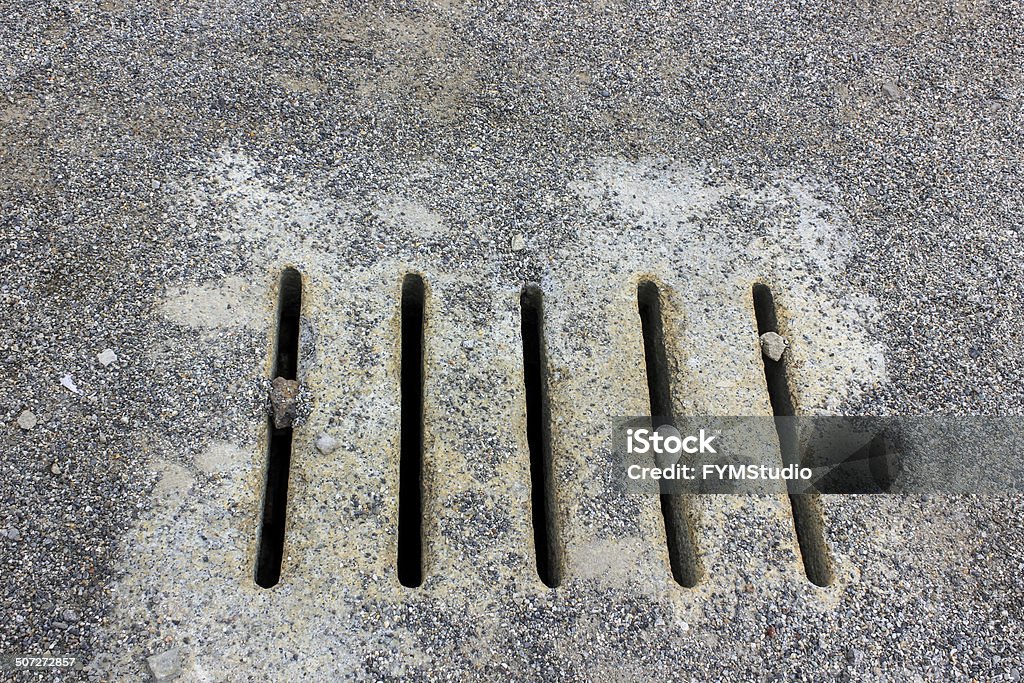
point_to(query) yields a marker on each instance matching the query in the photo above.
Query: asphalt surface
(908, 118)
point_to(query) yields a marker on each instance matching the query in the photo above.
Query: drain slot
(538, 436)
(675, 508)
(410, 486)
(807, 517)
(279, 440)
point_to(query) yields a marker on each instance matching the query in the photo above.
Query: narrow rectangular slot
(538, 436)
(286, 363)
(807, 516)
(410, 486)
(679, 533)
(275, 501)
(279, 441)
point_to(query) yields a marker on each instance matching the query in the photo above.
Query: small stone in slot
(283, 396)
(773, 345)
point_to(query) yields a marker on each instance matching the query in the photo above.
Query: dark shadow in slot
(675, 508)
(807, 516)
(410, 488)
(270, 547)
(538, 436)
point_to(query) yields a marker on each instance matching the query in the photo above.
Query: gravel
(906, 119)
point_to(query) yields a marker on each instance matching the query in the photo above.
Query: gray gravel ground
(911, 116)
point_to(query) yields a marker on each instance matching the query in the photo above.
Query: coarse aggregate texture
(160, 164)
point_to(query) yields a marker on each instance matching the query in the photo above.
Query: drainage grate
(807, 517)
(275, 496)
(677, 510)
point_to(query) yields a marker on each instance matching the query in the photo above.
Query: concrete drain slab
(339, 600)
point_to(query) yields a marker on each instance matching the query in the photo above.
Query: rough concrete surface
(162, 164)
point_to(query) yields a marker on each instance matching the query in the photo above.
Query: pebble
(55, 468)
(326, 444)
(773, 345)
(13, 534)
(892, 90)
(27, 420)
(468, 344)
(68, 383)
(106, 357)
(283, 398)
(518, 242)
(165, 666)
